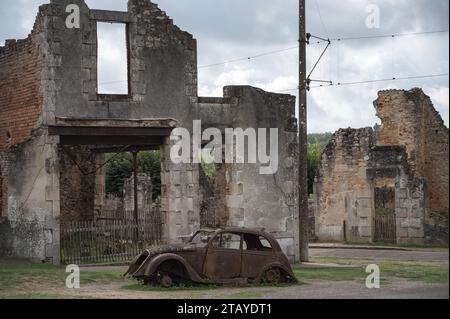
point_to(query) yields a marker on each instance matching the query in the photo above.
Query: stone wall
(420, 128)
(31, 226)
(342, 191)
(410, 119)
(409, 155)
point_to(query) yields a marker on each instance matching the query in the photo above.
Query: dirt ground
(333, 285)
(400, 289)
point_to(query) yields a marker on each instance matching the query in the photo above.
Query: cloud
(231, 29)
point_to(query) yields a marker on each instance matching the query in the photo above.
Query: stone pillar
(179, 197)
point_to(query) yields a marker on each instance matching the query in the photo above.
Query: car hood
(152, 252)
(174, 248)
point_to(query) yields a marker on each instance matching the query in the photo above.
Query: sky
(234, 29)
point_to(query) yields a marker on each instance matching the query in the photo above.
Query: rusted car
(231, 255)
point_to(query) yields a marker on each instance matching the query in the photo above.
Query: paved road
(441, 256)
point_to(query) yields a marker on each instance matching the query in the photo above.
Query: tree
(316, 145)
(120, 168)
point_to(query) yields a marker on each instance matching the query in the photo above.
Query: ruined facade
(390, 180)
(50, 111)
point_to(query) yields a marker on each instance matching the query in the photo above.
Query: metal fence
(107, 241)
(385, 229)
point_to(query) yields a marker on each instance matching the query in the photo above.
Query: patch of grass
(424, 272)
(15, 276)
(411, 246)
(101, 276)
(429, 273)
(18, 276)
(330, 274)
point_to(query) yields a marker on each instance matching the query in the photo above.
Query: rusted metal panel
(216, 256)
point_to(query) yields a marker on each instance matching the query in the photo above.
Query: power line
(366, 81)
(249, 57)
(387, 35)
(383, 80)
(263, 54)
(321, 41)
(370, 81)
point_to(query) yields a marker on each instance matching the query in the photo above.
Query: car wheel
(272, 276)
(165, 280)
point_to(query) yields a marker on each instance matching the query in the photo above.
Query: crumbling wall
(342, 191)
(409, 158)
(20, 90)
(409, 119)
(30, 191)
(162, 64)
(245, 197)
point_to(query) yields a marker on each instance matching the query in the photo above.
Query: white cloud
(236, 28)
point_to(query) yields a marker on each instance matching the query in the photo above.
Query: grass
(24, 276)
(410, 246)
(414, 271)
(40, 281)
(332, 274)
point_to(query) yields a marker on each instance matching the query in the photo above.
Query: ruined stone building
(388, 184)
(55, 128)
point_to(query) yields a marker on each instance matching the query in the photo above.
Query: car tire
(165, 280)
(272, 276)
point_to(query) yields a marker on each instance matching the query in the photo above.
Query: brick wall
(20, 91)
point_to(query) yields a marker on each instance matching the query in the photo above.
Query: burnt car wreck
(222, 256)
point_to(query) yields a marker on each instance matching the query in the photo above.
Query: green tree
(120, 168)
(314, 157)
(316, 145)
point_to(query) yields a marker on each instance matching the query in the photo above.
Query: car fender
(278, 265)
(154, 263)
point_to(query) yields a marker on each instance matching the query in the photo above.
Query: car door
(224, 257)
(257, 253)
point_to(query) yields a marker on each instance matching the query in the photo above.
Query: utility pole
(303, 141)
